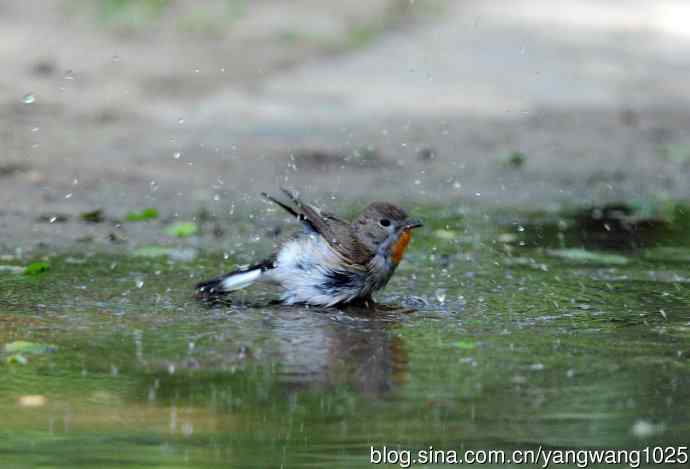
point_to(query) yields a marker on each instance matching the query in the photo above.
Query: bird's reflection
(356, 347)
(254, 351)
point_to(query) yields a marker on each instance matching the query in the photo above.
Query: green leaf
(23, 346)
(16, 359)
(95, 216)
(587, 257)
(515, 159)
(465, 344)
(146, 214)
(36, 268)
(182, 229)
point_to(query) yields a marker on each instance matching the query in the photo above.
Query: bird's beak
(413, 223)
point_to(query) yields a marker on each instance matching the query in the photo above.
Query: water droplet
(222, 69)
(187, 429)
(180, 121)
(35, 129)
(68, 196)
(177, 155)
(171, 369)
(52, 219)
(441, 295)
(417, 182)
(645, 429)
(140, 283)
(68, 75)
(116, 59)
(216, 197)
(457, 185)
(521, 228)
(28, 98)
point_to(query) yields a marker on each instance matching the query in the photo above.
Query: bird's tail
(235, 280)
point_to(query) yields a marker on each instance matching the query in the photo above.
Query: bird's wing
(335, 231)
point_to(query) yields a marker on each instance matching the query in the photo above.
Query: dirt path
(594, 94)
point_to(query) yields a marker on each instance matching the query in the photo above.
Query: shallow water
(496, 342)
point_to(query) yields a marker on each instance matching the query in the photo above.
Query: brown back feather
(337, 232)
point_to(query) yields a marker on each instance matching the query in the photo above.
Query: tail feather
(236, 280)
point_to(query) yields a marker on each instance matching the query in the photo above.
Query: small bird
(331, 261)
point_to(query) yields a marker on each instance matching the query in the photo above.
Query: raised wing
(335, 231)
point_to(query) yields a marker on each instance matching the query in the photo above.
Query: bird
(331, 261)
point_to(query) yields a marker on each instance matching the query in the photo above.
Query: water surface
(499, 339)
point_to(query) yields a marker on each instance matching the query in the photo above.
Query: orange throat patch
(400, 246)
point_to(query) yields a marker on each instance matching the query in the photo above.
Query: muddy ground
(194, 111)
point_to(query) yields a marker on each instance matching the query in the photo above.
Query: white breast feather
(302, 265)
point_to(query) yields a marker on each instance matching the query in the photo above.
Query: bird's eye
(385, 222)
